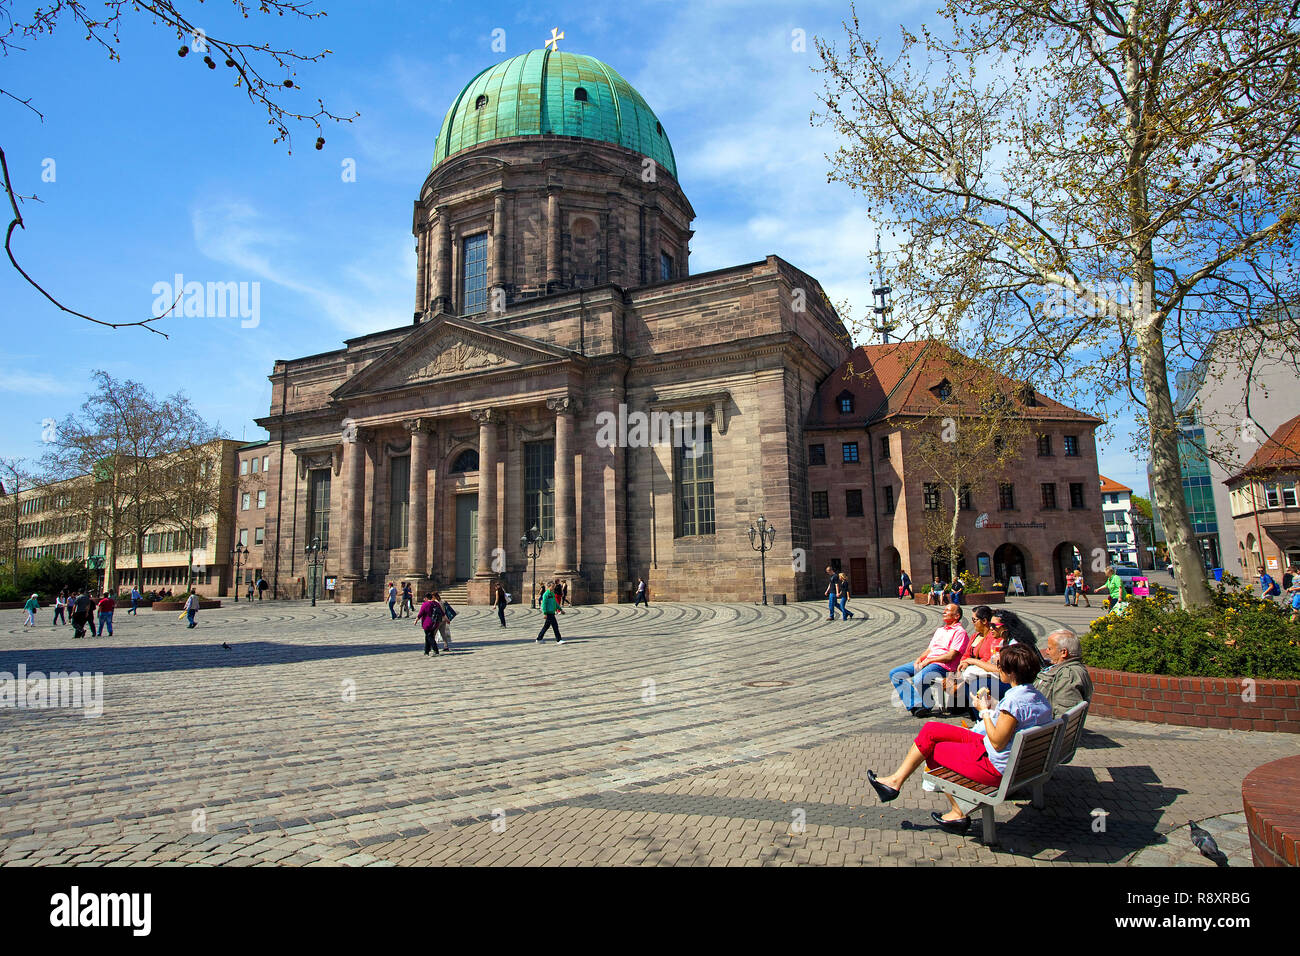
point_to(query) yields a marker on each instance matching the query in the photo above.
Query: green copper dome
(563, 94)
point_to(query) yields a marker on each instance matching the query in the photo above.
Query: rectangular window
(1076, 494)
(1071, 446)
(244, 501)
(821, 504)
(850, 452)
(243, 467)
(816, 454)
(318, 506)
(853, 503)
(1044, 446)
(257, 465)
(539, 487)
(474, 274)
(966, 503)
(243, 537)
(1049, 496)
(399, 490)
(695, 485)
(261, 499)
(259, 535)
(1006, 497)
(1271, 497)
(889, 500)
(266, 463)
(665, 266)
(846, 405)
(884, 448)
(931, 494)
(1288, 496)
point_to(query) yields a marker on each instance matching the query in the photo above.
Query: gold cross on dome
(555, 38)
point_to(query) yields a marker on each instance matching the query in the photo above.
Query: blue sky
(162, 167)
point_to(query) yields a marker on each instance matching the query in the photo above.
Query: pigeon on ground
(225, 645)
(1205, 843)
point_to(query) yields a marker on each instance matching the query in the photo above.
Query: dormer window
(580, 95)
(845, 402)
(659, 128)
(481, 101)
(1027, 396)
(943, 390)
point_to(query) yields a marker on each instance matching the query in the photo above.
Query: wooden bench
(1028, 765)
(1035, 754)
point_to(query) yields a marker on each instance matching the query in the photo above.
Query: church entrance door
(466, 535)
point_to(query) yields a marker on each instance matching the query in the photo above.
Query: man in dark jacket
(80, 611)
(1066, 682)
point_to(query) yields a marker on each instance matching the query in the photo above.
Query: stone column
(418, 517)
(488, 419)
(354, 514)
(566, 545)
(552, 240)
(614, 251)
(442, 265)
(421, 270)
(652, 244)
(497, 270)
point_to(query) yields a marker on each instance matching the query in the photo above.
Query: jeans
(831, 605)
(550, 624)
(392, 603)
(1069, 594)
(501, 613)
(910, 685)
(190, 614)
(640, 596)
(105, 620)
(135, 603)
(58, 614)
(844, 607)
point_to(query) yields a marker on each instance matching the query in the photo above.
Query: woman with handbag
(428, 617)
(444, 625)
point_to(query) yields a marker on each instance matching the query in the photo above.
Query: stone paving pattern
(324, 736)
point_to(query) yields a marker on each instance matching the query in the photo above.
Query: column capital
(487, 416)
(418, 425)
(563, 404)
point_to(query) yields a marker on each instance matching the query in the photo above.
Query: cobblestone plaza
(682, 734)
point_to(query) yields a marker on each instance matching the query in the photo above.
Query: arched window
(659, 128)
(465, 461)
(481, 101)
(580, 95)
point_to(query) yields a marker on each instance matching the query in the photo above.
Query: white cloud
(33, 383)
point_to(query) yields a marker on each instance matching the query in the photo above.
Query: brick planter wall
(1272, 815)
(1196, 701)
(970, 598)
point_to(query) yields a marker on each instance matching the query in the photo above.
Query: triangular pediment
(446, 348)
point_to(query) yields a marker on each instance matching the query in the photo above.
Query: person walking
(31, 607)
(80, 612)
(1115, 585)
(192, 608)
(842, 592)
(831, 592)
(135, 600)
(550, 606)
(408, 599)
(428, 617)
(1069, 589)
(249, 595)
(641, 593)
(392, 599)
(90, 612)
(501, 599)
(905, 585)
(106, 608)
(446, 613)
(261, 587)
(60, 607)
(1080, 589)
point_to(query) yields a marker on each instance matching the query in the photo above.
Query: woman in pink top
(428, 619)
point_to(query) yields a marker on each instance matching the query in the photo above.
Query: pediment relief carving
(447, 357)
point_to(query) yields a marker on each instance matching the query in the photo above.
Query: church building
(565, 372)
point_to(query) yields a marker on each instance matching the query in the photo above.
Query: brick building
(1265, 502)
(564, 371)
(252, 501)
(870, 492)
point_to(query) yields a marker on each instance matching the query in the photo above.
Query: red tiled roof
(900, 378)
(1109, 484)
(1282, 450)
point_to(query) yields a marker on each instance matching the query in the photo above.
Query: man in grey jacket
(1066, 682)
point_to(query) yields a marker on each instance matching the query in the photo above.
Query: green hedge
(46, 577)
(1238, 635)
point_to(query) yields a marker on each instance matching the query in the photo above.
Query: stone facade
(873, 525)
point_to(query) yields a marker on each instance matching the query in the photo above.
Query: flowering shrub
(1238, 635)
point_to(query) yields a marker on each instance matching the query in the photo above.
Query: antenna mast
(883, 307)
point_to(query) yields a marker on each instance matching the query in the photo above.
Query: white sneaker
(559, 640)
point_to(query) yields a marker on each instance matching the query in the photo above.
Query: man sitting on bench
(1066, 681)
(980, 754)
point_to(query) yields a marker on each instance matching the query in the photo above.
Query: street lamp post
(238, 554)
(761, 540)
(531, 545)
(314, 550)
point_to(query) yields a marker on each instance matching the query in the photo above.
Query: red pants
(957, 748)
